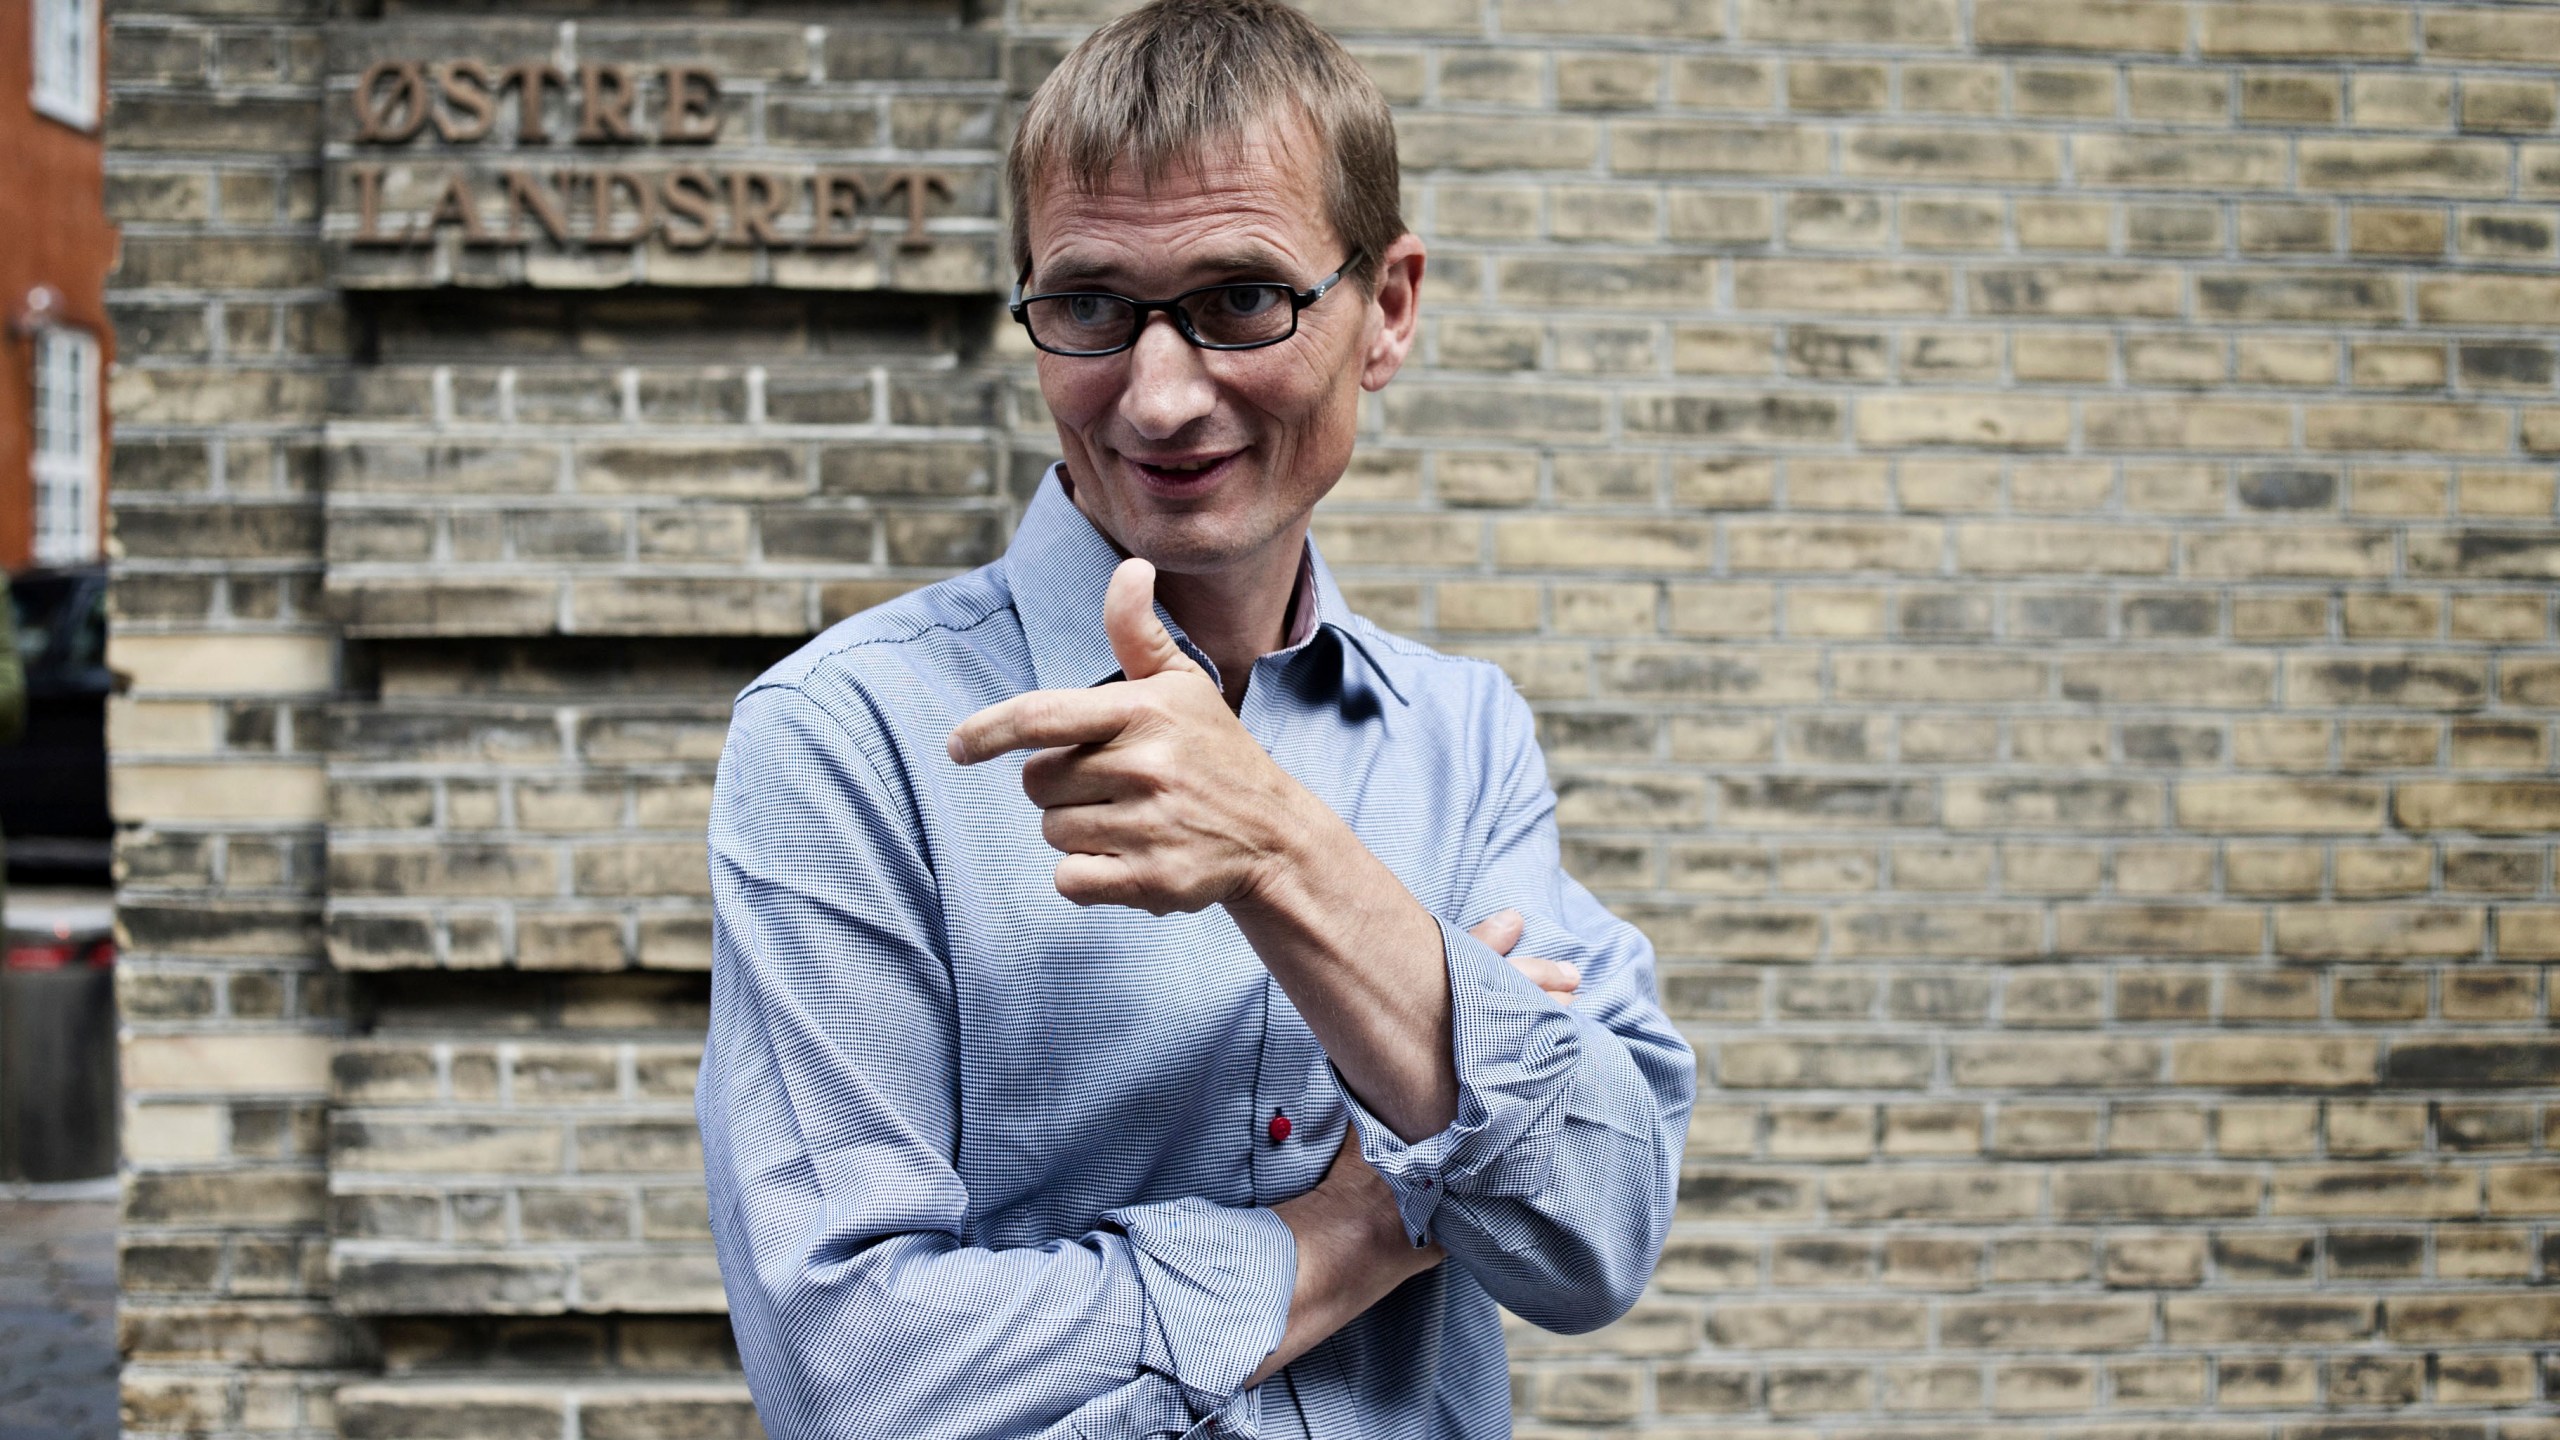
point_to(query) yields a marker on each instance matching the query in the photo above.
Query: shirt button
(1279, 1127)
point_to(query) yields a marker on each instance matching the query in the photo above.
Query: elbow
(1622, 1270)
(1578, 1280)
(1581, 1305)
(1582, 1273)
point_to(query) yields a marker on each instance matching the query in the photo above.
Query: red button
(1279, 1127)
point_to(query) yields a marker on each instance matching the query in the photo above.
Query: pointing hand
(1153, 789)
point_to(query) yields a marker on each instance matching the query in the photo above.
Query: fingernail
(1572, 971)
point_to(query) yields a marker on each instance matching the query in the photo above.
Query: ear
(1396, 310)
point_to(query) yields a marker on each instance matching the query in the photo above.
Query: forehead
(1261, 193)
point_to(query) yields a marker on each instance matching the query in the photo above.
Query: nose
(1168, 386)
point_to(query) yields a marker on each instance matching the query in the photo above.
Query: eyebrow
(1085, 270)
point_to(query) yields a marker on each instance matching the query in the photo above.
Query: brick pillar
(229, 337)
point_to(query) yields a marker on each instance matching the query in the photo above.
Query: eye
(1088, 309)
(1243, 302)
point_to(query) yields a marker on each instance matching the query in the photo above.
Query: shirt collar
(1059, 567)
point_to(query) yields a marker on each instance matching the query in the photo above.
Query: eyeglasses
(1243, 316)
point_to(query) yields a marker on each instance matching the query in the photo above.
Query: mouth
(1175, 477)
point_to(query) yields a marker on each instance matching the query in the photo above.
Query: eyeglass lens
(1223, 315)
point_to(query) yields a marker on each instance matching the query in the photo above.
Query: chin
(1185, 544)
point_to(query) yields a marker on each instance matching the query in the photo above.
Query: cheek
(1076, 391)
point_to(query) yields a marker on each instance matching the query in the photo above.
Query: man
(1221, 1124)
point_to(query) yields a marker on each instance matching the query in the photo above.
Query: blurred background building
(56, 245)
(55, 347)
(53, 273)
(2029, 526)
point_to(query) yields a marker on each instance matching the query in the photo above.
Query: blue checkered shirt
(983, 1163)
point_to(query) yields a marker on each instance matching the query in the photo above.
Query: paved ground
(57, 1319)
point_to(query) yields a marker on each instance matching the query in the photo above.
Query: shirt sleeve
(1554, 1185)
(828, 1109)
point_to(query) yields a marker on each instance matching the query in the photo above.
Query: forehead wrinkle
(1249, 259)
(1244, 202)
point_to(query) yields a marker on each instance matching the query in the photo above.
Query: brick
(2063, 1063)
(2152, 930)
(1699, 672)
(2075, 291)
(1781, 545)
(1986, 421)
(2298, 550)
(2286, 1061)
(227, 1064)
(2278, 97)
(1682, 19)
(2408, 425)
(2489, 299)
(1924, 23)
(1907, 153)
(2018, 548)
(2245, 1320)
(2161, 162)
(2379, 932)
(1819, 1064)
(450, 1284)
(2470, 1318)
(2094, 1192)
(1953, 932)
(2402, 681)
(2403, 167)
(2115, 25)
(2299, 295)
(2493, 35)
(2279, 806)
(2376, 1190)
(2225, 681)
(1855, 287)
(2095, 1324)
(1835, 1325)
(448, 1411)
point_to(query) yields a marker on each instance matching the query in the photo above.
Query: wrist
(1296, 833)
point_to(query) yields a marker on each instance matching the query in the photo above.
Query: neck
(1238, 613)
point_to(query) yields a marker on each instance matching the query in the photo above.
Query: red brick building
(55, 250)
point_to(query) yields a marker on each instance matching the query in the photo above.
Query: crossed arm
(833, 1198)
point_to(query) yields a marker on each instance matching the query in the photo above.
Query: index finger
(1038, 720)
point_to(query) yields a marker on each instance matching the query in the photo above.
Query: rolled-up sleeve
(1555, 1183)
(828, 1114)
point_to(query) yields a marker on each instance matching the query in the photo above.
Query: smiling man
(1116, 1026)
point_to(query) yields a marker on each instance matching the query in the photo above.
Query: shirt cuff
(1515, 1049)
(1218, 1281)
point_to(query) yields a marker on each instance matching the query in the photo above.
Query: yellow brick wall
(2029, 527)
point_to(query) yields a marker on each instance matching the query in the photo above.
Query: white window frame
(69, 479)
(66, 61)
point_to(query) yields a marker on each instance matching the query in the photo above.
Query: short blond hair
(1163, 83)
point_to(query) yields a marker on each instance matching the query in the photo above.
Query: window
(66, 48)
(67, 481)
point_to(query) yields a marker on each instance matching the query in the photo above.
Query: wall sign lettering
(653, 190)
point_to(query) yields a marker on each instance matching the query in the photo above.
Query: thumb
(1138, 639)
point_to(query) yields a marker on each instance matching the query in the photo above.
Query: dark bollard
(57, 1059)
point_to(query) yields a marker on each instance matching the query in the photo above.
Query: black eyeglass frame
(1019, 305)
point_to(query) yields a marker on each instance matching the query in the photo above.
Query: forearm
(1363, 962)
(1352, 1253)
(1555, 1185)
